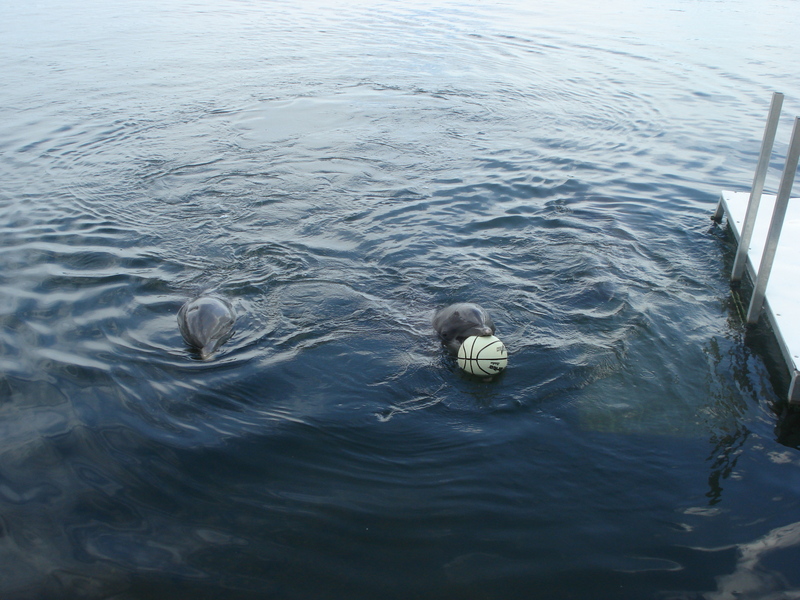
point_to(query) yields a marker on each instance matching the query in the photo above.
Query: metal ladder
(779, 211)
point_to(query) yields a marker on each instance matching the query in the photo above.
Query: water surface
(339, 171)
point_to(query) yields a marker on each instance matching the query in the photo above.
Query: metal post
(778, 214)
(758, 186)
(719, 213)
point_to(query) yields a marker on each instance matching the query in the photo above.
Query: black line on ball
(479, 359)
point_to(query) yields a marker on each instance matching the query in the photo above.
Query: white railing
(758, 186)
(776, 224)
(778, 213)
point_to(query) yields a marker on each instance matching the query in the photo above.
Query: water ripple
(339, 172)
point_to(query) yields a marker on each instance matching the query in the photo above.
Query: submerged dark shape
(457, 322)
(206, 323)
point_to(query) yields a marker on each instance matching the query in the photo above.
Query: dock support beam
(758, 187)
(778, 215)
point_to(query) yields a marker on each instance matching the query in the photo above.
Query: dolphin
(206, 323)
(457, 322)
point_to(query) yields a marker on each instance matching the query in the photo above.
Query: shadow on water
(760, 339)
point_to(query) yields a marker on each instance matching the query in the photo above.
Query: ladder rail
(776, 224)
(758, 187)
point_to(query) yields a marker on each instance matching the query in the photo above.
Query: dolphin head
(457, 322)
(474, 321)
(206, 323)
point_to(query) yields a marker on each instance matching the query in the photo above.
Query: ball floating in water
(482, 355)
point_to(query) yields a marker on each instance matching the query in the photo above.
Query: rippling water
(339, 172)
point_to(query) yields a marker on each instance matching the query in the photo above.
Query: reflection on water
(338, 173)
(723, 459)
(752, 579)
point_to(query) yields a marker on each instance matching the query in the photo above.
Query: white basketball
(482, 355)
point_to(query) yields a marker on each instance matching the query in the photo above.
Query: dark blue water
(339, 172)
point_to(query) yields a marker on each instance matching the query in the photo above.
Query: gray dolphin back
(206, 323)
(457, 322)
